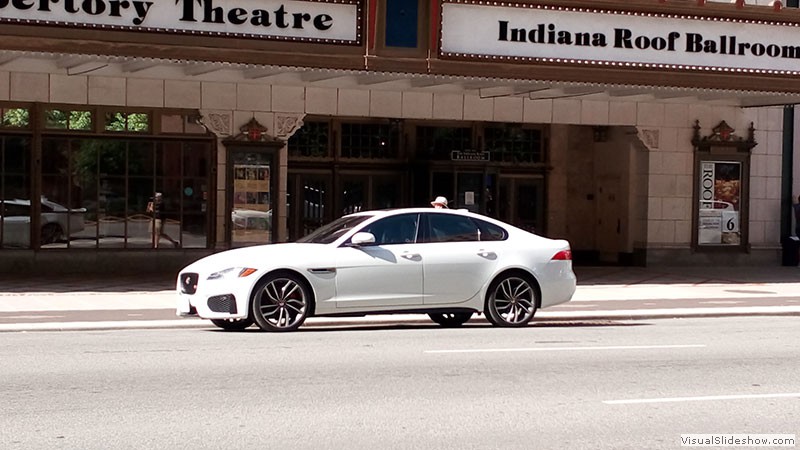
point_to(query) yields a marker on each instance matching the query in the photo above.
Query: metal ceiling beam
(256, 73)
(476, 85)
(5, 59)
(546, 94)
(764, 100)
(579, 91)
(371, 80)
(138, 66)
(427, 82)
(496, 91)
(627, 92)
(194, 70)
(666, 95)
(712, 96)
(315, 76)
(69, 62)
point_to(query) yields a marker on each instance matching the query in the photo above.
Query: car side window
(490, 231)
(17, 210)
(452, 228)
(400, 229)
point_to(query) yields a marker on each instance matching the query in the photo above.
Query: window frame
(423, 19)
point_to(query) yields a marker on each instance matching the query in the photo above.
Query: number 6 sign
(730, 222)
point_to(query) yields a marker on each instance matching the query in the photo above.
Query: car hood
(258, 257)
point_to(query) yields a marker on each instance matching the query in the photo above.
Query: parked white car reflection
(717, 205)
(56, 221)
(445, 263)
(250, 219)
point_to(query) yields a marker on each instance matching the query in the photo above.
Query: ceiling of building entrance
(97, 65)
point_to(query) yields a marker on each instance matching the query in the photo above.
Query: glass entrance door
(473, 191)
(308, 203)
(521, 203)
(362, 192)
(250, 197)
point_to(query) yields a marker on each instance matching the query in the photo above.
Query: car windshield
(333, 230)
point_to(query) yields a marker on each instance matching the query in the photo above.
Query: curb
(419, 319)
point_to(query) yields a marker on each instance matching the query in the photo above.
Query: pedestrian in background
(439, 202)
(796, 208)
(155, 207)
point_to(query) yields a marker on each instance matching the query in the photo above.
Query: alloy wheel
(281, 304)
(511, 302)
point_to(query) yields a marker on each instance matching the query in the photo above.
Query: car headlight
(233, 272)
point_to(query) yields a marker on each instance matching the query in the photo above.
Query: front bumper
(211, 299)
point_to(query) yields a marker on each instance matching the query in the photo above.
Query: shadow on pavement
(111, 283)
(616, 275)
(432, 326)
(587, 276)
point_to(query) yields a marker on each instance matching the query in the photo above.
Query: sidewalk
(604, 293)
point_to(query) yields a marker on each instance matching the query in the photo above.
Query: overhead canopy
(485, 87)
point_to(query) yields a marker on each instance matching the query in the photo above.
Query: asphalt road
(568, 385)
(642, 305)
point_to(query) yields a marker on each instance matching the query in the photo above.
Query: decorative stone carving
(254, 132)
(287, 125)
(217, 122)
(650, 138)
(723, 136)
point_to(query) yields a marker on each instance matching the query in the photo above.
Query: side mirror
(362, 238)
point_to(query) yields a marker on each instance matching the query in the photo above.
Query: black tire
(233, 324)
(511, 301)
(281, 302)
(450, 320)
(51, 233)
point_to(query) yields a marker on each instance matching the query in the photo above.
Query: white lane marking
(722, 302)
(33, 317)
(563, 349)
(699, 399)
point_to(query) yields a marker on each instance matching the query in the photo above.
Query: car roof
(395, 211)
(16, 201)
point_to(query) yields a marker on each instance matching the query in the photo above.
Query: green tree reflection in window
(130, 122)
(68, 120)
(15, 117)
(513, 143)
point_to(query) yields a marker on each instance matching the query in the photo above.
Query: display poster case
(722, 174)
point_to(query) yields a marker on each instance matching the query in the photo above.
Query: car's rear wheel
(51, 233)
(451, 319)
(232, 324)
(281, 302)
(511, 301)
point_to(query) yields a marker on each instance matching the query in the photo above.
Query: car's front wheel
(232, 324)
(450, 320)
(281, 303)
(51, 233)
(511, 301)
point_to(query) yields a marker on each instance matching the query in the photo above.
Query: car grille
(189, 283)
(223, 303)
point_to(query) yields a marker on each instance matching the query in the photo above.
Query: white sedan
(449, 264)
(57, 222)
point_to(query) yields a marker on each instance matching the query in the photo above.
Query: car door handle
(488, 255)
(411, 256)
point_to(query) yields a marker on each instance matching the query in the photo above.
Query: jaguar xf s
(448, 264)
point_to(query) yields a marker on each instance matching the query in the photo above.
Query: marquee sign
(520, 32)
(336, 21)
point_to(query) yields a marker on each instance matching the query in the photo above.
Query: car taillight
(563, 255)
